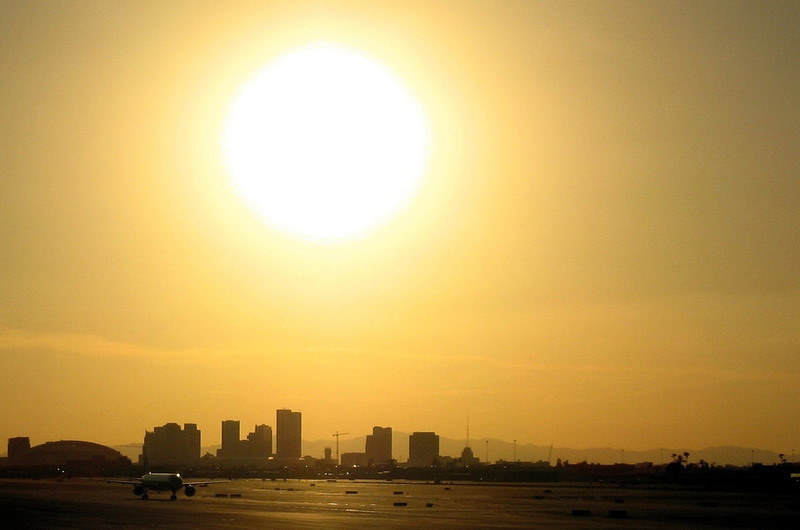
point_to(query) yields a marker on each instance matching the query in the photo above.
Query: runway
(84, 503)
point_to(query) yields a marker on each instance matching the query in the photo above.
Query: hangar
(71, 458)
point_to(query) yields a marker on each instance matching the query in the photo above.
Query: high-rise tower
(288, 439)
(230, 438)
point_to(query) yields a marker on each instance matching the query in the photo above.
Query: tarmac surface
(85, 503)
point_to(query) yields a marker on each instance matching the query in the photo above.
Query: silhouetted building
(354, 460)
(17, 446)
(468, 458)
(71, 457)
(423, 449)
(254, 452)
(379, 446)
(288, 439)
(230, 439)
(260, 442)
(169, 445)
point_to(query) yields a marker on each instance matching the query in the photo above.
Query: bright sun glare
(325, 143)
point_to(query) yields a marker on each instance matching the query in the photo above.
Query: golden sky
(604, 250)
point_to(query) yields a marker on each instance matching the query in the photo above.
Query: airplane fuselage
(162, 481)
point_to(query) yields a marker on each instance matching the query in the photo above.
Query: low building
(72, 458)
(468, 459)
(354, 460)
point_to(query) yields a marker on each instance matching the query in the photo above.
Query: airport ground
(85, 503)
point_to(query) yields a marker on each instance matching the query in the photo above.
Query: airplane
(163, 482)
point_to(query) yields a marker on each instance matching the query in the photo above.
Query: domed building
(71, 457)
(468, 458)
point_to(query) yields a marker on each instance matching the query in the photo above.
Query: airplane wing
(206, 482)
(132, 481)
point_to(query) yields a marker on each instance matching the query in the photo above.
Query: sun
(325, 143)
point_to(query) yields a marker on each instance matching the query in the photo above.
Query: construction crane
(336, 435)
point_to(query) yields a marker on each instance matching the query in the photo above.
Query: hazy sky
(604, 250)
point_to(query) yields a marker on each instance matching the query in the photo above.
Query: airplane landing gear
(173, 497)
(145, 497)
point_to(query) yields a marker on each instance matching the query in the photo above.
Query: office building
(254, 452)
(259, 442)
(169, 446)
(423, 449)
(379, 446)
(230, 439)
(288, 439)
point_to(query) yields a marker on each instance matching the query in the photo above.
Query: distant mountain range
(503, 450)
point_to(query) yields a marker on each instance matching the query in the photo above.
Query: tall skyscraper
(230, 438)
(423, 449)
(191, 437)
(379, 446)
(288, 439)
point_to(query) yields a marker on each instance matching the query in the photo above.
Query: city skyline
(588, 238)
(477, 451)
(381, 446)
